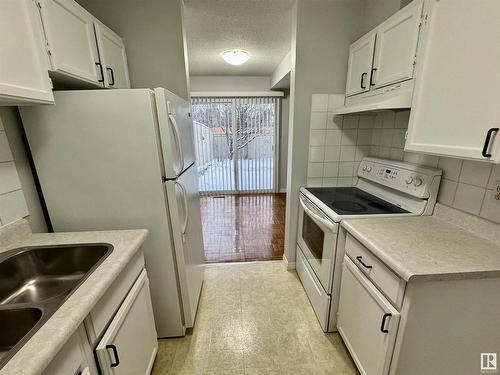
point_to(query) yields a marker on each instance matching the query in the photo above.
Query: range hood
(393, 97)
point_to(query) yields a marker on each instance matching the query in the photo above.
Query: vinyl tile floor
(254, 318)
(240, 227)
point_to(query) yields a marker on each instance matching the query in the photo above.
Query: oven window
(313, 236)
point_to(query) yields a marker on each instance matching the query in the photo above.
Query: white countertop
(432, 247)
(42, 347)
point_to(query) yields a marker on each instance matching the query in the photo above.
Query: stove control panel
(405, 177)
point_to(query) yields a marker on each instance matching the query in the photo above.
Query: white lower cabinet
(119, 334)
(367, 321)
(129, 344)
(75, 358)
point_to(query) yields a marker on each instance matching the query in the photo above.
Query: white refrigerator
(124, 159)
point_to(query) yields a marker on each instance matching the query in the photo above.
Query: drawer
(320, 301)
(105, 309)
(391, 285)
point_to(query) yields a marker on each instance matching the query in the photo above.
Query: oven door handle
(327, 223)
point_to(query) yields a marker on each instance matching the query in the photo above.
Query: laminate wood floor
(239, 228)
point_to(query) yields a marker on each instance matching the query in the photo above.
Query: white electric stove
(384, 188)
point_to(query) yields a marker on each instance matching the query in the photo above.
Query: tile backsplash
(12, 202)
(338, 143)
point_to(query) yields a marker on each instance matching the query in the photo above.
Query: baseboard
(283, 190)
(289, 265)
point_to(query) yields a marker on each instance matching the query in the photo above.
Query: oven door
(317, 237)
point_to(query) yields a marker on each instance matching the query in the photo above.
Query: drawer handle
(384, 318)
(360, 260)
(112, 83)
(362, 83)
(115, 354)
(99, 65)
(371, 76)
(485, 152)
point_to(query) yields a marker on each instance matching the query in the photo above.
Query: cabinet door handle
(99, 65)
(360, 260)
(115, 354)
(382, 326)
(486, 146)
(112, 76)
(371, 76)
(363, 80)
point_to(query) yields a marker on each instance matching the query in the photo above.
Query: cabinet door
(75, 357)
(367, 322)
(113, 58)
(360, 65)
(23, 68)
(129, 345)
(455, 102)
(396, 47)
(69, 30)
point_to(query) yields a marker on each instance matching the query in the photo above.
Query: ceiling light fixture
(235, 56)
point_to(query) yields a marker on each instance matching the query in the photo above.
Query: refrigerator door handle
(185, 204)
(178, 142)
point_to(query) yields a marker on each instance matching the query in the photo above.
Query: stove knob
(418, 181)
(369, 169)
(409, 180)
(364, 167)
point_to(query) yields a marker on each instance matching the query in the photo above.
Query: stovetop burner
(354, 201)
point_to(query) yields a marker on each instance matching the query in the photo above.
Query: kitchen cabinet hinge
(38, 4)
(51, 83)
(406, 134)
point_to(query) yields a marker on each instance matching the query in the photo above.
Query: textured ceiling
(261, 27)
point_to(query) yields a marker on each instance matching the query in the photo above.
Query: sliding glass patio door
(235, 141)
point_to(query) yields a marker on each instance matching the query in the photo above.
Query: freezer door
(176, 132)
(184, 207)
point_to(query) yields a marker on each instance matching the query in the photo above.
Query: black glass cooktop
(353, 201)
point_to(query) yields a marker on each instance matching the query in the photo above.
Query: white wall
(283, 139)
(153, 35)
(281, 71)
(13, 130)
(12, 202)
(377, 11)
(322, 31)
(230, 83)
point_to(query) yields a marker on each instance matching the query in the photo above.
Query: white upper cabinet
(396, 47)
(23, 63)
(113, 57)
(360, 65)
(71, 42)
(455, 108)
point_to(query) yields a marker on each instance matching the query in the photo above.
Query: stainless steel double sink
(35, 282)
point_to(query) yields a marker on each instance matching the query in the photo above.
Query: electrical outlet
(496, 194)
